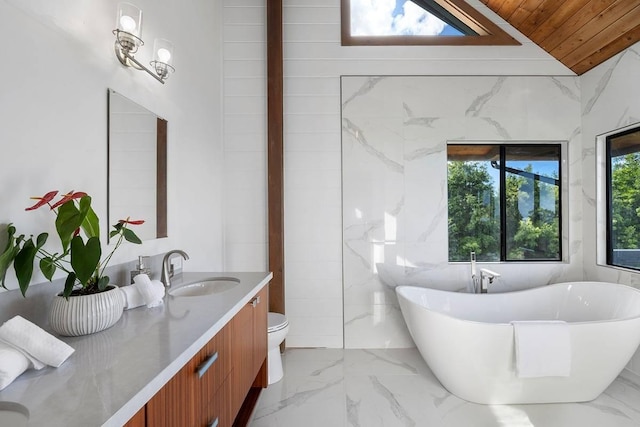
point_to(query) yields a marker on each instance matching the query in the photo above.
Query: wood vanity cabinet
(218, 385)
(214, 387)
(175, 403)
(249, 345)
(139, 419)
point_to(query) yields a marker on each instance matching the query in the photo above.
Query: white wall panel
(53, 104)
(245, 129)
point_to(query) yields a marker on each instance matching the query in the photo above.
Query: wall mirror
(137, 172)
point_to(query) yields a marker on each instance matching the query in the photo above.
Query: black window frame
(503, 198)
(609, 196)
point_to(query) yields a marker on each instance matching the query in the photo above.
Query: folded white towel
(152, 291)
(35, 342)
(132, 297)
(12, 364)
(33, 362)
(543, 348)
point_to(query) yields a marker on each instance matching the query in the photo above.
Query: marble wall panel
(394, 137)
(610, 101)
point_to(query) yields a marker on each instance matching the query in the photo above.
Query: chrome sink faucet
(167, 271)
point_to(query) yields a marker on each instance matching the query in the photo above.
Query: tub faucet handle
(485, 273)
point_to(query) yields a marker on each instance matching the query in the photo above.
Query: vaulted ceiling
(579, 33)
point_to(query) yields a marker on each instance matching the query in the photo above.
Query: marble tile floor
(395, 388)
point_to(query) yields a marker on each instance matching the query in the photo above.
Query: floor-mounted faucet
(167, 271)
(475, 285)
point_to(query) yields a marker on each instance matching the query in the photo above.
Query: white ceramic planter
(86, 314)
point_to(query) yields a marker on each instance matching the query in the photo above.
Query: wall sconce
(128, 34)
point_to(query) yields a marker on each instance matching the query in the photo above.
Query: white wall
(58, 63)
(610, 101)
(245, 135)
(314, 61)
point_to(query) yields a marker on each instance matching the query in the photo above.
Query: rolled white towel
(12, 364)
(35, 341)
(152, 294)
(132, 297)
(157, 287)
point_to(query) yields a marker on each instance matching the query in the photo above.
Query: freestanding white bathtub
(468, 342)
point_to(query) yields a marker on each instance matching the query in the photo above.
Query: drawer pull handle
(214, 423)
(254, 302)
(204, 366)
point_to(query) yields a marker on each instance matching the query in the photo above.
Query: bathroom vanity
(196, 360)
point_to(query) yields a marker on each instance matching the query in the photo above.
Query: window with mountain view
(623, 199)
(504, 202)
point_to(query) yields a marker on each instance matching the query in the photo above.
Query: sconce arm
(139, 66)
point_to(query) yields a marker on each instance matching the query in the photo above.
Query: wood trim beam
(161, 178)
(275, 154)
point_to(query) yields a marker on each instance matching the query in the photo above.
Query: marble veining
(298, 399)
(589, 199)
(412, 120)
(397, 409)
(601, 86)
(426, 152)
(366, 87)
(566, 91)
(395, 388)
(478, 104)
(359, 136)
(440, 213)
(504, 134)
(353, 408)
(626, 119)
(380, 356)
(356, 319)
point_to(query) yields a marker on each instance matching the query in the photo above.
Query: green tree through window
(518, 222)
(623, 237)
(474, 220)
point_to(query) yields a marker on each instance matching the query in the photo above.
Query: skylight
(404, 18)
(417, 22)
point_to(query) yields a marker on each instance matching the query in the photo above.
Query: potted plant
(80, 258)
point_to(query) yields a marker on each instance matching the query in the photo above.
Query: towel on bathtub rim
(542, 348)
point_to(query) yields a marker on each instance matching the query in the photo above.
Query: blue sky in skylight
(395, 17)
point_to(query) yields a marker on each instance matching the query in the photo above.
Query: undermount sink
(213, 285)
(13, 414)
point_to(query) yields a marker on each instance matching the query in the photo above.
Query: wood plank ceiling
(579, 33)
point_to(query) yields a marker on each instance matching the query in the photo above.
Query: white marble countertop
(113, 373)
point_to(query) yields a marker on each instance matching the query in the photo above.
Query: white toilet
(277, 332)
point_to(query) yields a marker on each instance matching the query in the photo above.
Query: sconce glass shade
(128, 34)
(162, 57)
(129, 24)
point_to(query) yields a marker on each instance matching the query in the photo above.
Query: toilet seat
(276, 322)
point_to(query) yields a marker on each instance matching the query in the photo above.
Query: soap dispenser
(141, 268)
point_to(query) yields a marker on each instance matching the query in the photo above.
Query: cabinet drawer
(214, 363)
(217, 412)
(175, 403)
